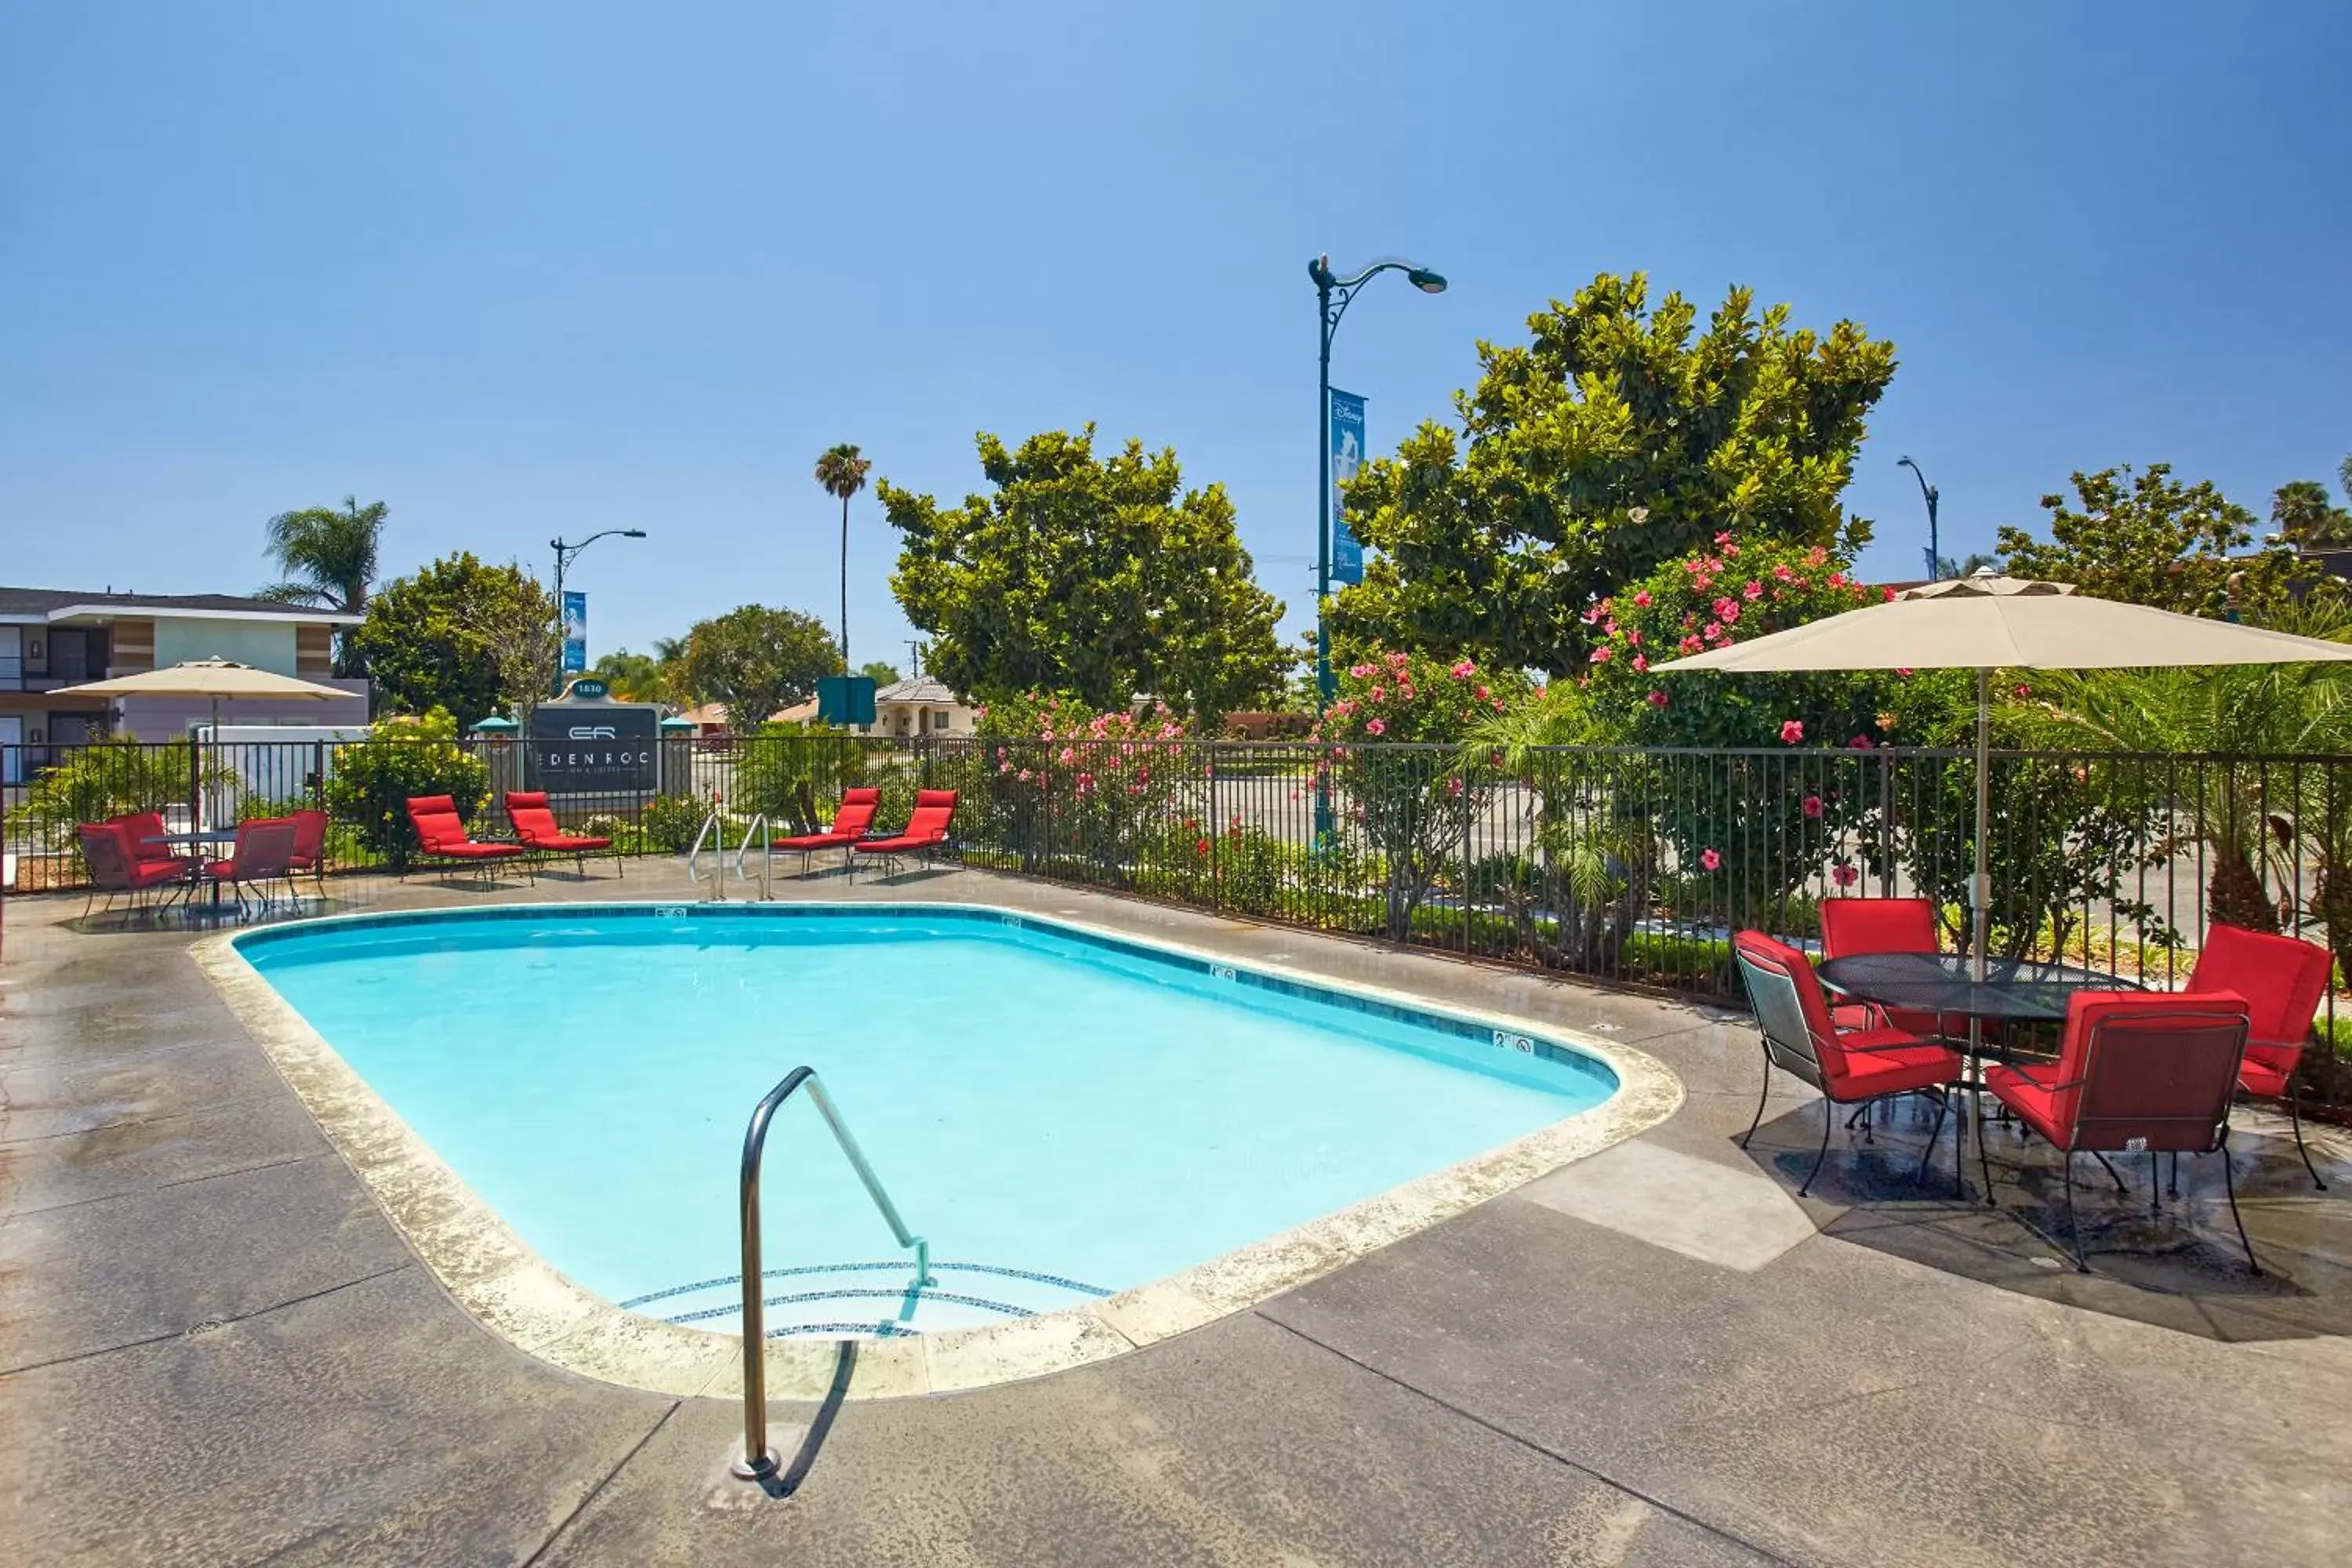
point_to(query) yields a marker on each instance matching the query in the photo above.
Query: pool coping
(504, 1284)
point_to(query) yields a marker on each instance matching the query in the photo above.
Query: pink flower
(1753, 591)
(1657, 699)
(1377, 727)
(1714, 632)
(1399, 661)
(1885, 593)
(2021, 692)
(1004, 767)
(1293, 795)
(1482, 694)
(1690, 645)
(1845, 876)
(1603, 653)
(1453, 785)
(1641, 599)
(1903, 674)
(1861, 743)
(1464, 670)
(1729, 616)
(1701, 582)
(1835, 579)
(1725, 609)
(1069, 754)
(1634, 638)
(1380, 694)
(1361, 671)
(981, 712)
(1783, 573)
(1640, 662)
(1792, 732)
(1202, 847)
(1025, 776)
(1816, 555)
(1085, 783)
(1710, 860)
(1724, 537)
(1404, 690)
(1813, 806)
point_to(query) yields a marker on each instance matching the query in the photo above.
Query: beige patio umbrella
(218, 679)
(1989, 622)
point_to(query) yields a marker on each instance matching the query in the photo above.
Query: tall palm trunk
(845, 584)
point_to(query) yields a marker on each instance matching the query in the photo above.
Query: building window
(939, 720)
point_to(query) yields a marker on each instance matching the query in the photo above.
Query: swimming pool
(1063, 1114)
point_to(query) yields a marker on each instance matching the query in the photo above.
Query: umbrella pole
(1981, 883)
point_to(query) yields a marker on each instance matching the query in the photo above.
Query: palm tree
(1947, 568)
(842, 472)
(328, 558)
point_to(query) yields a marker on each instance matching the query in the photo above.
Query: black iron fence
(1630, 866)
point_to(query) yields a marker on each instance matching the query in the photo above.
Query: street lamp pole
(1332, 294)
(1935, 549)
(564, 554)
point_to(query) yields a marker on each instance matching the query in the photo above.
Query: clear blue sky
(519, 268)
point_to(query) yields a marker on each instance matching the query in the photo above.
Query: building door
(70, 654)
(11, 749)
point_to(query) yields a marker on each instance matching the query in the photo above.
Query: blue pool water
(1062, 1115)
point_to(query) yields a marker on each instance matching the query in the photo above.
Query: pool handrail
(758, 1461)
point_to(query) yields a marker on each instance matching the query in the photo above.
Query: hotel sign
(594, 748)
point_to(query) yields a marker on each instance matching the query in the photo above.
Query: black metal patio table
(2013, 990)
(211, 835)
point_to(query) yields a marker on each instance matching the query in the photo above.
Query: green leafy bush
(374, 779)
(670, 823)
(795, 773)
(106, 778)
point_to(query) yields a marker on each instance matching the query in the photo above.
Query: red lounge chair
(534, 824)
(263, 854)
(1850, 926)
(2139, 1072)
(849, 825)
(310, 846)
(926, 830)
(2284, 981)
(441, 836)
(1850, 1066)
(106, 849)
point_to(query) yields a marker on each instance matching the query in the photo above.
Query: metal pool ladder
(758, 1461)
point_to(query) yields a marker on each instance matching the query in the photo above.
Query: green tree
(2307, 518)
(756, 660)
(1097, 579)
(459, 635)
(1966, 566)
(841, 470)
(2148, 538)
(402, 758)
(634, 677)
(329, 559)
(879, 673)
(1614, 440)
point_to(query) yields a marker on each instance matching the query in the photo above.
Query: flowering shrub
(1770, 822)
(1064, 779)
(1408, 805)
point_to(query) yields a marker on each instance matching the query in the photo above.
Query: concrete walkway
(214, 1347)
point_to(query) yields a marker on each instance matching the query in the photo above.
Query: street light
(1331, 296)
(1935, 555)
(563, 557)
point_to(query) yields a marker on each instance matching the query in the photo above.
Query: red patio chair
(311, 844)
(2284, 981)
(143, 825)
(850, 825)
(926, 830)
(535, 824)
(1848, 1065)
(2139, 1072)
(114, 870)
(1850, 926)
(262, 854)
(440, 836)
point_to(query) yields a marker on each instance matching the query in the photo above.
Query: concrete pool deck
(216, 1348)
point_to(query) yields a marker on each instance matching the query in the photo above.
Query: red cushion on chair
(1888, 1061)
(2267, 1069)
(2029, 1089)
(2282, 980)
